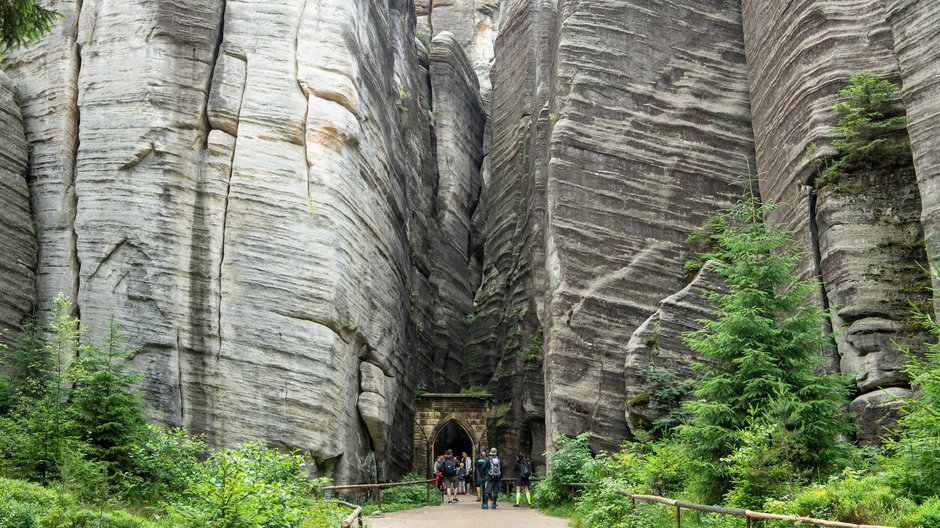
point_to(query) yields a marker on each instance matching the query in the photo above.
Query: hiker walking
(523, 472)
(493, 473)
(449, 468)
(478, 475)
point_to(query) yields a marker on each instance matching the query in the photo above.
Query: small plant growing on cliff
(871, 127)
(764, 348)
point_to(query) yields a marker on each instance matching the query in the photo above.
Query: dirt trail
(467, 514)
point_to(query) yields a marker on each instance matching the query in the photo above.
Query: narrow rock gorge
(305, 213)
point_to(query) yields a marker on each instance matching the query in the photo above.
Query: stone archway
(457, 420)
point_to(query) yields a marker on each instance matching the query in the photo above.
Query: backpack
(495, 469)
(449, 467)
(524, 470)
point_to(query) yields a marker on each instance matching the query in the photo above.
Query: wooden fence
(747, 514)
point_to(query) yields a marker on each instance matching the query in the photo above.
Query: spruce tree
(763, 353)
(107, 409)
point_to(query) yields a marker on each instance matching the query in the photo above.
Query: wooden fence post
(678, 517)
(380, 498)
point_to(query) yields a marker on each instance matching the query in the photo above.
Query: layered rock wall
(248, 189)
(652, 124)
(17, 238)
(862, 235)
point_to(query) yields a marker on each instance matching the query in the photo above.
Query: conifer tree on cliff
(763, 353)
(23, 21)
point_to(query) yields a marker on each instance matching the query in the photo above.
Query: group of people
(457, 477)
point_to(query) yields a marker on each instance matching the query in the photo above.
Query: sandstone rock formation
(657, 344)
(302, 212)
(17, 239)
(862, 237)
(251, 201)
(914, 24)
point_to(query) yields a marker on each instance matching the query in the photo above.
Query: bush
(252, 486)
(566, 463)
(406, 497)
(601, 506)
(851, 497)
(927, 515)
(163, 465)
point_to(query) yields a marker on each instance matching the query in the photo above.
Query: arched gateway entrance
(449, 421)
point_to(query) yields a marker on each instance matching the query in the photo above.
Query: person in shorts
(449, 468)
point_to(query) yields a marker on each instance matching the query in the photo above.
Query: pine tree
(23, 365)
(22, 21)
(764, 353)
(107, 408)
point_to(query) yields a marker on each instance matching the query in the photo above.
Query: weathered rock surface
(915, 25)
(863, 232)
(658, 344)
(17, 239)
(459, 120)
(871, 255)
(474, 25)
(651, 127)
(240, 205)
(877, 413)
(46, 74)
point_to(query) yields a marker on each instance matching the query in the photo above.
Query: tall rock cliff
(248, 188)
(304, 212)
(17, 238)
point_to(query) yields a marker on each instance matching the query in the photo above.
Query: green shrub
(251, 486)
(566, 463)
(406, 497)
(851, 497)
(927, 515)
(871, 128)
(600, 505)
(163, 465)
(914, 465)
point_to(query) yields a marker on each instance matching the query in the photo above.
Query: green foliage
(665, 398)
(39, 429)
(566, 463)
(871, 127)
(601, 506)
(163, 465)
(106, 407)
(927, 515)
(662, 467)
(30, 505)
(915, 464)
(762, 466)
(406, 497)
(702, 244)
(23, 366)
(251, 486)
(533, 348)
(851, 497)
(22, 21)
(764, 352)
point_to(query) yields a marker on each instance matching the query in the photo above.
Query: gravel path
(467, 514)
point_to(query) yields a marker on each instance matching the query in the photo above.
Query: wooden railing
(379, 487)
(747, 514)
(356, 515)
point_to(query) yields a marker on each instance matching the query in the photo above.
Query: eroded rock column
(17, 238)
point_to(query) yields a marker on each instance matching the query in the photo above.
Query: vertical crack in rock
(74, 262)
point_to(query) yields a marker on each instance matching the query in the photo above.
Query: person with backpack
(478, 474)
(523, 472)
(449, 467)
(493, 470)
